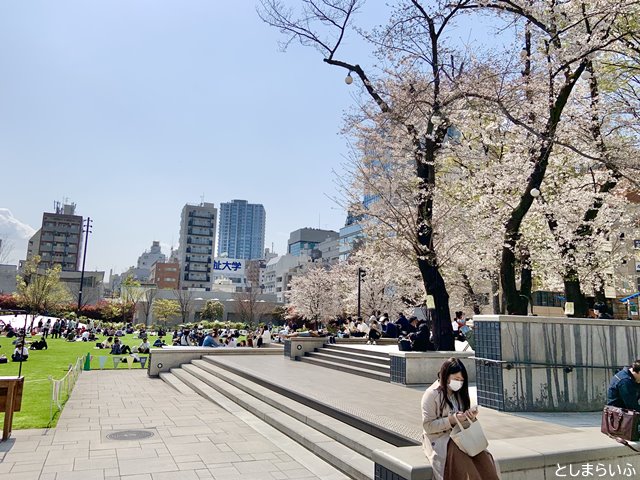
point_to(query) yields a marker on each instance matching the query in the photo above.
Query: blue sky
(132, 108)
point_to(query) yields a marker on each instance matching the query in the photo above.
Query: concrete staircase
(366, 363)
(344, 441)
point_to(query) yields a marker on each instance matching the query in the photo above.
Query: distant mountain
(15, 237)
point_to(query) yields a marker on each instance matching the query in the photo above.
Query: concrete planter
(421, 368)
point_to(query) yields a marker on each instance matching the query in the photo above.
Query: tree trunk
(441, 316)
(573, 293)
(495, 294)
(515, 304)
(471, 294)
(526, 282)
(425, 157)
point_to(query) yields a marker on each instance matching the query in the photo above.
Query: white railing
(61, 389)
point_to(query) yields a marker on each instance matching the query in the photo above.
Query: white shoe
(368, 342)
(374, 342)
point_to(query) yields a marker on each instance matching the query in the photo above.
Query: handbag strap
(624, 442)
(459, 423)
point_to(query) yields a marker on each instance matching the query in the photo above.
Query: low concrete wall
(296, 347)
(533, 458)
(421, 368)
(550, 364)
(164, 359)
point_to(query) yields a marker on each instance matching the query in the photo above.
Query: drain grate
(130, 435)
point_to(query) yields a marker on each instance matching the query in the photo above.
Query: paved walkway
(396, 407)
(192, 438)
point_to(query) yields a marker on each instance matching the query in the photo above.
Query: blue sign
(225, 265)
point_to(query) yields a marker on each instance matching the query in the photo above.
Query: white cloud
(16, 235)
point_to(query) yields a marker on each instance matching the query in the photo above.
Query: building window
(547, 299)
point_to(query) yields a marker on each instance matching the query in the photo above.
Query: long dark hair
(449, 367)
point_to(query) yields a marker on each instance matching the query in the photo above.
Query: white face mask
(455, 385)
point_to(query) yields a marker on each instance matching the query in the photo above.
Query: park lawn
(36, 397)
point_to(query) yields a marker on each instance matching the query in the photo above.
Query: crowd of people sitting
(35, 338)
(227, 337)
(411, 333)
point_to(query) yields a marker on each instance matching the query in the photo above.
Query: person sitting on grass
(107, 343)
(39, 345)
(209, 341)
(145, 346)
(20, 354)
(119, 348)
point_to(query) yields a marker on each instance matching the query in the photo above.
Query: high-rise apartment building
(242, 227)
(197, 235)
(59, 240)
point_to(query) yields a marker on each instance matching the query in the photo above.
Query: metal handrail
(511, 363)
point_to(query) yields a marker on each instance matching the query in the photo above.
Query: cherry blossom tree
(560, 39)
(412, 47)
(312, 295)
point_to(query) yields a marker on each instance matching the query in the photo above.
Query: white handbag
(470, 440)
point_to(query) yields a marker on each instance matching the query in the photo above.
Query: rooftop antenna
(202, 199)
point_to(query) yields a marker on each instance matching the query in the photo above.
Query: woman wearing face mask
(446, 399)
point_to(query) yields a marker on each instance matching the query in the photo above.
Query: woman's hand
(461, 416)
(472, 413)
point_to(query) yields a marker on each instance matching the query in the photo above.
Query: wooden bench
(10, 401)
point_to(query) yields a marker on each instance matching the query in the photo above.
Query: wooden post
(10, 401)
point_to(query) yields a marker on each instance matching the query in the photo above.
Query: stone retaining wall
(550, 364)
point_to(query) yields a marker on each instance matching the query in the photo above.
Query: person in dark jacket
(624, 389)
(403, 324)
(389, 329)
(421, 341)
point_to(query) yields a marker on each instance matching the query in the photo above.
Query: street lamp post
(361, 274)
(87, 229)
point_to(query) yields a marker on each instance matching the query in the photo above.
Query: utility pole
(87, 229)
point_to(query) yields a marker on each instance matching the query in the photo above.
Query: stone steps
(334, 347)
(371, 356)
(341, 366)
(346, 448)
(366, 363)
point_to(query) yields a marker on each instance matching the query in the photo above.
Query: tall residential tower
(242, 227)
(197, 236)
(59, 240)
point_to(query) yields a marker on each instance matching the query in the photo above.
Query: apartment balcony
(199, 241)
(197, 259)
(200, 223)
(201, 215)
(206, 232)
(199, 250)
(198, 268)
(196, 277)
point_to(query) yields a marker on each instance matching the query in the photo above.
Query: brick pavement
(192, 438)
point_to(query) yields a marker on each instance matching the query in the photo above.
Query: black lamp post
(87, 230)
(361, 274)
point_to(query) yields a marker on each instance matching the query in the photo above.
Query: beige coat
(436, 429)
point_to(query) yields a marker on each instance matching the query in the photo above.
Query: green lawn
(55, 361)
